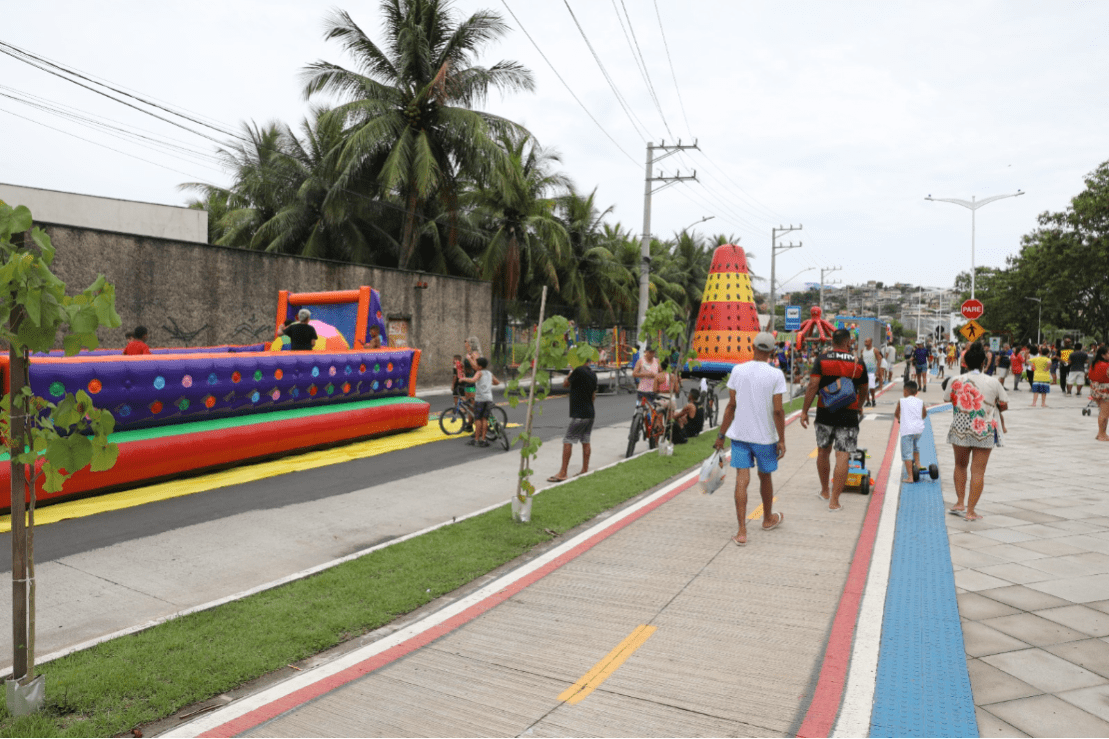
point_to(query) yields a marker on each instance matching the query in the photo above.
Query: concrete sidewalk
(658, 627)
(1033, 575)
(195, 566)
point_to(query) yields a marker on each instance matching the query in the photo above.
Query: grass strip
(144, 677)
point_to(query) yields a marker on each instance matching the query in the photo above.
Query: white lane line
(862, 675)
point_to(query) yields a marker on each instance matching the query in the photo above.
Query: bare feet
(1102, 437)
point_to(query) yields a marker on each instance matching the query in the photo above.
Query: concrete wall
(191, 294)
(109, 214)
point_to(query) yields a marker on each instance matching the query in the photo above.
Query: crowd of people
(842, 381)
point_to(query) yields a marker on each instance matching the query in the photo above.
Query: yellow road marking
(757, 513)
(227, 478)
(591, 680)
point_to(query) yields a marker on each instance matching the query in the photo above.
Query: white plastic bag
(712, 473)
(665, 447)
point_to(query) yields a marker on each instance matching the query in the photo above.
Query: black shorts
(481, 409)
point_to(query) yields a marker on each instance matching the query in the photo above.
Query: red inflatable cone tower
(728, 320)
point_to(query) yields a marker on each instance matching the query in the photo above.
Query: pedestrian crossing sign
(972, 330)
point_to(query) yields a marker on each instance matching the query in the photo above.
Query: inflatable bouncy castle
(181, 410)
(728, 320)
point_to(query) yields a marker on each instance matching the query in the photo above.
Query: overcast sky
(839, 116)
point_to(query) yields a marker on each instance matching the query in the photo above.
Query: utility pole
(774, 249)
(824, 271)
(645, 247)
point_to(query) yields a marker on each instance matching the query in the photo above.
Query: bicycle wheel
(498, 420)
(451, 421)
(633, 434)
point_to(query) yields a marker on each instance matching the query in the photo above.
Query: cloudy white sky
(839, 116)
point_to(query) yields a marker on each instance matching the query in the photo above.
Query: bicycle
(498, 427)
(458, 417)
(711, 406)
(646, 423)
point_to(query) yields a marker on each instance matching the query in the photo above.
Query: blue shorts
(1041, 387)
(744, 456)
(909, 446)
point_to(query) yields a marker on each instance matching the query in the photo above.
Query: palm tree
(317, 221)
(589, 276)
(262, 182)
(515, 205)
(408, 102)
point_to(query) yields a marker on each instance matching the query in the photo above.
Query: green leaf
(70, 453)
(42, 240)
(105, 455)
(20, 220)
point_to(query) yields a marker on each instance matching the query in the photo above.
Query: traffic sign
(995, 343)
(972, 309)
(793, 317)
(972, 330)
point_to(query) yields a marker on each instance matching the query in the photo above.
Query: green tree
(590, 278)
(262, 182)
(409, 102)
(515, 205)
(43, 438)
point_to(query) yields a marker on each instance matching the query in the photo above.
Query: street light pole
(823, 271)
(1039, 316)
(774, 249)
(706, 218)
(974, 205)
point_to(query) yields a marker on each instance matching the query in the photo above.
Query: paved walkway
(653, 625)
(1032, 577)
(196, 566)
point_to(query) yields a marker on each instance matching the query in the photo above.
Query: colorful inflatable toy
(181, 410)
(728, 320)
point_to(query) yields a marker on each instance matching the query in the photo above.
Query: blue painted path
(923, 688)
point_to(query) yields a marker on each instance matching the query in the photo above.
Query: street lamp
(706, 218)
(1039, 315)
(973, 205)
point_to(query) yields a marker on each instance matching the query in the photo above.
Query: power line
(61, 72)
(97, 143)
(148, 142)
(567, 86)
(640, 128)
(643, 70)
(674, 75)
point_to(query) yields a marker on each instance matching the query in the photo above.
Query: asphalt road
(74, 536)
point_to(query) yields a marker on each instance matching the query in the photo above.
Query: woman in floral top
(976, 401)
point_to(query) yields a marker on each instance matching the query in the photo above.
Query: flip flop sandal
(835, 510)
(737, 542)
(552, 478)
(776, 524)
(953, 512)
(821, 496)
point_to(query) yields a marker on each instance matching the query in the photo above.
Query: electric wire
(182, 153)
(673, 74)
(61, 71)
(567, 86)
(643, 70)
(636, 123)
(97, 143)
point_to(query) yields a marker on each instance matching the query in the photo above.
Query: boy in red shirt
(137, 345)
